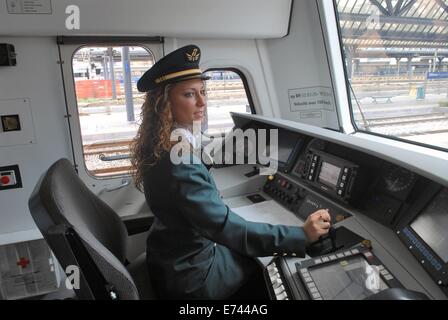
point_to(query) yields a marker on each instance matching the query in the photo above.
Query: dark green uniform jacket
(198, 247)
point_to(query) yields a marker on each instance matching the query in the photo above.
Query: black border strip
(86, 40)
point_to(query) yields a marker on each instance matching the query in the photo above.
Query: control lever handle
(321, 246)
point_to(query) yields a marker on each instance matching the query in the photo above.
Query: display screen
(432, 225)
(329, 174)
(287, 143)
(348, 279)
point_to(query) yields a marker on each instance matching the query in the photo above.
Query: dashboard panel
(317, 173)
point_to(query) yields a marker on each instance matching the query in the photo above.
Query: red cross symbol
(23, 262)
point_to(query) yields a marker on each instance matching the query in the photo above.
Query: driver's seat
(84, 232)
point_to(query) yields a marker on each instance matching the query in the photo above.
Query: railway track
(410, 125)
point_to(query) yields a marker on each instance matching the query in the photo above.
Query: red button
(5, 180)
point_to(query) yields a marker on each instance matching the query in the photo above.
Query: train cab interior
(311, 104)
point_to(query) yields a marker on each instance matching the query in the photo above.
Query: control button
(355, 251)
(384, 272)
(282, 296)
(318, 261)
(306, 275)
(308, 279)
(314, 290)
(276, 280)
(342, 184)
(310, 177)
(325, 259)
(273, 270)
(368, 254)
(347, 253)
(315, 158)
(313, 165)
(311, 285)
(316, 296)
(5, 180)
(388, 277)
(380, 267)
(340, 192)
(276, 285)
(272, 267)
(340, 255)
(279, 290)
(332, 257)
(312, 171)
(344, 177)
(304, 270)
(346, 170)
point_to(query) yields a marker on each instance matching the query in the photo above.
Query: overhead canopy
(394, 23)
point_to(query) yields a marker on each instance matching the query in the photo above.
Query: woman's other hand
(316, 225)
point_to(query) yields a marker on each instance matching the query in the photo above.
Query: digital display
(287, 143)
(432, 225)
(348, 279)
(329, 174)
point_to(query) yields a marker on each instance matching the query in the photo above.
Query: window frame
(245, 85)
(70, 46)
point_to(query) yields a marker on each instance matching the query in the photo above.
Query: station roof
(394, 23)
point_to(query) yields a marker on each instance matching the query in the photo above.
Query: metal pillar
(440, 64)
(349, 51)
(112, 73)
(398, 65)
(128, 84)
(410, 71)
(105, 68)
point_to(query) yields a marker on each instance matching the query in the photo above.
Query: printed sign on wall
(309, 100)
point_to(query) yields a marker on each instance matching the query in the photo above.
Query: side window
(227, 91)
(108, 104)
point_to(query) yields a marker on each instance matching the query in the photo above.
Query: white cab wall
(199, 18)
(299, 61)
(36, 77)
(241, 54)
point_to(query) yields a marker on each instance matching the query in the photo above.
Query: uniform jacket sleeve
(201, 205)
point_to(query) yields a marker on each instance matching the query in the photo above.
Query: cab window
(109, 104)
(227, 91)
(396, 58)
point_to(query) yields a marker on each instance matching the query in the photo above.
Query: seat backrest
(61, 201)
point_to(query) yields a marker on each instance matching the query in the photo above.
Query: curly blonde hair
(153, 135)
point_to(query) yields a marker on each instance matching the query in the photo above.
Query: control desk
(389, 222)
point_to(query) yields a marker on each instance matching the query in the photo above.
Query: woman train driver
(197, 247)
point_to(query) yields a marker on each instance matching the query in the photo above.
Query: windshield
(397, 64)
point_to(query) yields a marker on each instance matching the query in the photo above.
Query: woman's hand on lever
(316, 225)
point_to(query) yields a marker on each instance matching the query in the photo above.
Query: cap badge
(193, 56)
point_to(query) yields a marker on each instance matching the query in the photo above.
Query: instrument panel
(315, 174)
